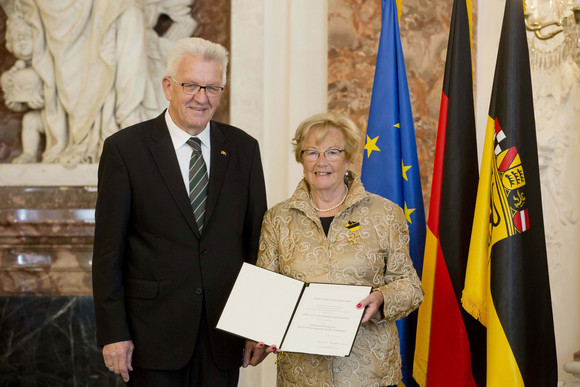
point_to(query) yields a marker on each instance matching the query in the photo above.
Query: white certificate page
(260, 305)
(326, 320)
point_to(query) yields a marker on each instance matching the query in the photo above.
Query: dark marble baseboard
(50, 342)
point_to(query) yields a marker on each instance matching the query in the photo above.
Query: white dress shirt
(183, 151)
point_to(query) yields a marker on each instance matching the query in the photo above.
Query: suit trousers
(201, 371)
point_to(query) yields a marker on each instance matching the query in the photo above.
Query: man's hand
(118, 357)
(373, 302)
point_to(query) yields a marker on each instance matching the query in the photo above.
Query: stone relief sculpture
(22, 86)
(96, 66)
(557, 111)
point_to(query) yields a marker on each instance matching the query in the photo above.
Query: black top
(326, 221)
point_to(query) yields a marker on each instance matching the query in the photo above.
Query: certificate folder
(314, 318)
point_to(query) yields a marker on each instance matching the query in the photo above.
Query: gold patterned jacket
(375, 252)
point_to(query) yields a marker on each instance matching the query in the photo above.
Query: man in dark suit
(180, 204)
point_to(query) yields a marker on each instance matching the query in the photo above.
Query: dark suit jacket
(152, 269)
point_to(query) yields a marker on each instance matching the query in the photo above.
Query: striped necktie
(197, 181)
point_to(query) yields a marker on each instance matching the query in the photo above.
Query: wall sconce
(537, 27)
(563, 16)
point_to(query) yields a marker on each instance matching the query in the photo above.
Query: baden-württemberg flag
(450, 345)
(390, 166)
(507, 286)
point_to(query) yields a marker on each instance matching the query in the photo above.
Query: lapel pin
(353, 226)
(224, 153)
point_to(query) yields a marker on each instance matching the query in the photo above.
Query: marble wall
(49, 341)
(353, 35)
(213, 18)
(46, 237)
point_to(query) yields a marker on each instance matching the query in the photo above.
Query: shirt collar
(179, 136)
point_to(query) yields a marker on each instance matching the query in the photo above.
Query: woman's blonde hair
(321, 124)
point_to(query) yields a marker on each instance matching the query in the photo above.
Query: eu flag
(390, 165)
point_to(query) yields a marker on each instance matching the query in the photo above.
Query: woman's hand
(373, 302)
(254, 353)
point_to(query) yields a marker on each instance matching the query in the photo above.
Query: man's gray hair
(198, 48)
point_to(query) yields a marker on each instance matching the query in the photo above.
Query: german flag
(507, 285)
(445, 332)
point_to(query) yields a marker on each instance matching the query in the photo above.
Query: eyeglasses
(329, 154)
(193, 89)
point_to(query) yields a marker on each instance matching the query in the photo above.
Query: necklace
(331, 208)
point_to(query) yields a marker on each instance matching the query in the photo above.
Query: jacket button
(198, 291)
(203, 251)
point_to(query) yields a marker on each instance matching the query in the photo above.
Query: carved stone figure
(22, 86)
(179, 11)
(100, 64)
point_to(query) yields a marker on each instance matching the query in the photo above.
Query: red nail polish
(261, 344)
(273, 347)
(359, 305)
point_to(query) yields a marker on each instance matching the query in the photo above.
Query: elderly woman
(333, 231)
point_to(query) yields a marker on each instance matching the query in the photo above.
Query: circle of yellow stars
(370, 146)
